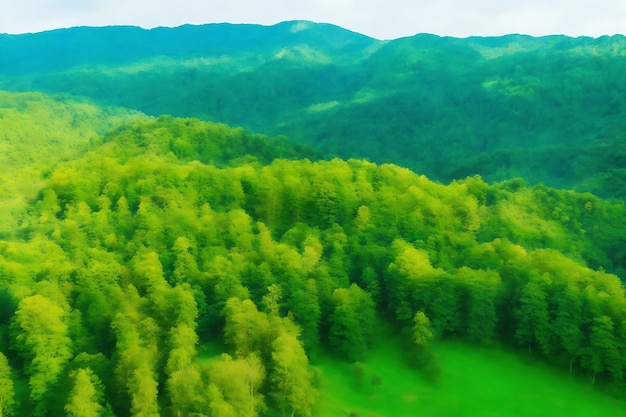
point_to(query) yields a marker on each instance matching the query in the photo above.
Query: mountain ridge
(249, 36)
(500, 107)
(108, 42)
(163, 237)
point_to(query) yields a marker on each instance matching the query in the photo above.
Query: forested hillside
(546, 109)
(165, 237)
(36, 132)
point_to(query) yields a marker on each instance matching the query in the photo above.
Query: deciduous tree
(7, 392)
(86, 396)
(290, 377)
(41, 336)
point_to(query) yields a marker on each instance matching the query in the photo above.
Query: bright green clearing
(476, 382)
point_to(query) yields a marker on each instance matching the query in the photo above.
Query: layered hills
(153, 263)
(546, 109)
(143, 247)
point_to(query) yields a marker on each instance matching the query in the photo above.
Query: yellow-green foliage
(36, 132)
(174, 233)
(39, 130)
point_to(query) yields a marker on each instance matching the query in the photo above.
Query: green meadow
(474, 381)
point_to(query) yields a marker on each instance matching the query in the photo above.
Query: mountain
(166, 266)
(546, 109)
(64, 49)
(154, 265)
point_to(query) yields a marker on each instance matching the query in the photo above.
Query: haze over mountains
(547, 109)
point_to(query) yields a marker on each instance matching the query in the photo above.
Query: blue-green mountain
(547, 109)
(179, 238)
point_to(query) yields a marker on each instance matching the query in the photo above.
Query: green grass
(210, 351)
(474, 382)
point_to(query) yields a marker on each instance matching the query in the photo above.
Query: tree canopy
(165, 235)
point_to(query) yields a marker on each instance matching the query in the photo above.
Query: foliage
(7, 391)
(172, 234)
(547, 109)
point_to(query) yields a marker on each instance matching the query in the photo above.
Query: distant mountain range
(549, 109)
(165, 266)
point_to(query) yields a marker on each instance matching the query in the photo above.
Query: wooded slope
(168, 234)
(548, 109)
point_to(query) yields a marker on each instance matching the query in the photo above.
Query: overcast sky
(383, 19)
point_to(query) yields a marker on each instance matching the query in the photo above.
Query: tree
(290, 377)
(568, 323)
(185, 266)
(442, 299)
(408, 277)
(86, 396)
(247, 330)
(143, 389)
(603, 350)
(179, 307)
(344, 335)
(137, 357)
(218, 405)
(351, 322)
(124, 220)
(533, 325)
(424, 356)
(271, 300)
(304, 304)
(185, 389)
(7, 392)
(238, 382)
(363, 219)
(148, 272)
(183, 383)
(326, 203)
(311, 254)
(239, 231)
(41, 336)
(483, 287)
(227, 281)
(182, 344)
(422, 336)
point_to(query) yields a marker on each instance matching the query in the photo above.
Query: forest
(154, 265)
(546, 109)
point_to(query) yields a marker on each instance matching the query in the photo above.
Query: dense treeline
(166, 238)
(209, 143)
(38, 131)
(547, 109)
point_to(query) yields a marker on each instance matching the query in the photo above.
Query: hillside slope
(36, 133)
(170, 234)
(547, 109)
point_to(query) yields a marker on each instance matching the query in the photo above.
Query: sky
(382, 19)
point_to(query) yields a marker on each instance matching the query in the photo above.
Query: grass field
(474, 382)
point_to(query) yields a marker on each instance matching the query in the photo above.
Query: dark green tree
(352, 322)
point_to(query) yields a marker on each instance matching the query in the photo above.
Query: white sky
(383, 19)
